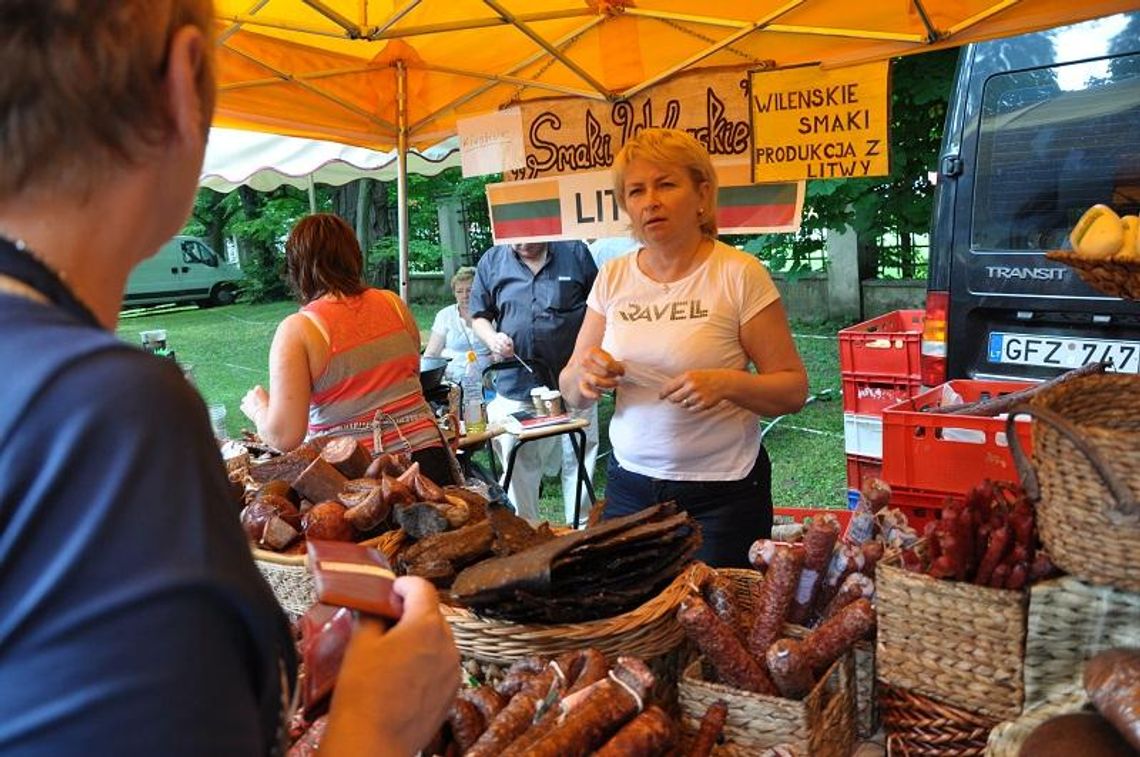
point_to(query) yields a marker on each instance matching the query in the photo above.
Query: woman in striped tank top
(347, 363)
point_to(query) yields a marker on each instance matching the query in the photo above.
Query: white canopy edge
(266, 161)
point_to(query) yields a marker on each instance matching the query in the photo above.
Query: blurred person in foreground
(132, 617)
(452, 334)
(528, 300)
(673, 328)
(348, 362)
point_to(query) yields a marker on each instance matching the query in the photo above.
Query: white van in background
(183, 270)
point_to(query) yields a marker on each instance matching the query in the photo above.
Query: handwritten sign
(567, 135)
(491, 143)
(583, 206)
(812, 123)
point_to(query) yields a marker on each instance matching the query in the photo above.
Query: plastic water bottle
(474, 411)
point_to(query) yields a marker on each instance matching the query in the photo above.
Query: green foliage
(423, 221)
(423, 256)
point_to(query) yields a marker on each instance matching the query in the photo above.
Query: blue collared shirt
(541, 312)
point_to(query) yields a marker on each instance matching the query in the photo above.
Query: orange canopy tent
(400, 73)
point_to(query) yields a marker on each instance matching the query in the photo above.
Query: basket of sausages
(335, 490)
(784, 686)
(953, 609)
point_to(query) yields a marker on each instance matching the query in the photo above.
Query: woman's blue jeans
(732, 514)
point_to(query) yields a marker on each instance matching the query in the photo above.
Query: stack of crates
(879, 366)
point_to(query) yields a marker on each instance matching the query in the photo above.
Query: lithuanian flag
(525, 208)
(744, 207)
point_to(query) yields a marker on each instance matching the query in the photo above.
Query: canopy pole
(402, 172)
(312, 195)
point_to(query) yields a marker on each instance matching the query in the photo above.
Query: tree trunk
(906, 255)
(868, 257)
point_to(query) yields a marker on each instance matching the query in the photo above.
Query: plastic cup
(218, 420)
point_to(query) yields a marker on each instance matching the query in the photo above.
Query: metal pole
(312, 194)
(402, 173)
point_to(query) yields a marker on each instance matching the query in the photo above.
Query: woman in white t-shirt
(674, 328)
(451, 334)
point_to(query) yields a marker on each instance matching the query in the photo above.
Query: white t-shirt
(458, 339)
(661, 330)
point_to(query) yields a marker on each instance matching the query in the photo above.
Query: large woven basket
(291, 580)
(1120, 278)
(918, 726)
(1069, 622)
(866, 697)
(1086, 474)
(820, 725)
(648, 631)
(960, 644)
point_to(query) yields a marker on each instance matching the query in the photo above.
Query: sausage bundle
(988, 540)
(575, 704)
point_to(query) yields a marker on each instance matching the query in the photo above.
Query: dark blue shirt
(541, 312)
(132, 617)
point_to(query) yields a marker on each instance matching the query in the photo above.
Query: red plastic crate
(949, 454)
(889, 345)
(861, 468)
(921, 506)
(869, 394)
(798, 514)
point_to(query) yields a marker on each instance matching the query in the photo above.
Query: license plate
(1062, 351)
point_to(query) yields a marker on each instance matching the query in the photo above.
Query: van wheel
(222, 294)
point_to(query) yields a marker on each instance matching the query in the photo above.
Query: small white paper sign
(492, 142)
(589, 208)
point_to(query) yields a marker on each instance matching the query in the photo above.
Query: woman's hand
(395, 687)
(255, 403)
(698, 390)
(597, 372)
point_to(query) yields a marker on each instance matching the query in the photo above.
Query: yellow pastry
(1130, 248)
(1099, 234)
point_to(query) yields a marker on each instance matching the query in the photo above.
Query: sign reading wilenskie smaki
(813, 123)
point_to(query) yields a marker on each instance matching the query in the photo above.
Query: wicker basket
(1069, 622)
(1086, 475)
(291, 580)
(819, 725)
(958, 643)
(918, 726)
(1006, 738)
(1119, 278)
(647, 631)
(866, 696)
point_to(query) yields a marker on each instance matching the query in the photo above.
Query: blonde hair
(670, 147)
(82, 87)
(466, 273)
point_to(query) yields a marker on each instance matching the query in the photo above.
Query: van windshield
(1053, 142)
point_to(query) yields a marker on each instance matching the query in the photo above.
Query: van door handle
(951, 166)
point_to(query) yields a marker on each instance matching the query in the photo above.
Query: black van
(1040, 128)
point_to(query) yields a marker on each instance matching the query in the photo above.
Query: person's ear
(189, 112)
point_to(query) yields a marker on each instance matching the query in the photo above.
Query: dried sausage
(466, 723)
(720, 646)
(721, 597)
(837, 634)
(773, 600)
(711, 726)
(650, 733)
(790, 669)
(819, 541)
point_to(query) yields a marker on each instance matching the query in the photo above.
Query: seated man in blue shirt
(536, 293)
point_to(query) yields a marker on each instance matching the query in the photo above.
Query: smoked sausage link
(720, 646)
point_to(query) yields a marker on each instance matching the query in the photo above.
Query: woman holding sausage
(673, 328)
(132, 617)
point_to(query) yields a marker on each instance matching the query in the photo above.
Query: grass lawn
(228, 350)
